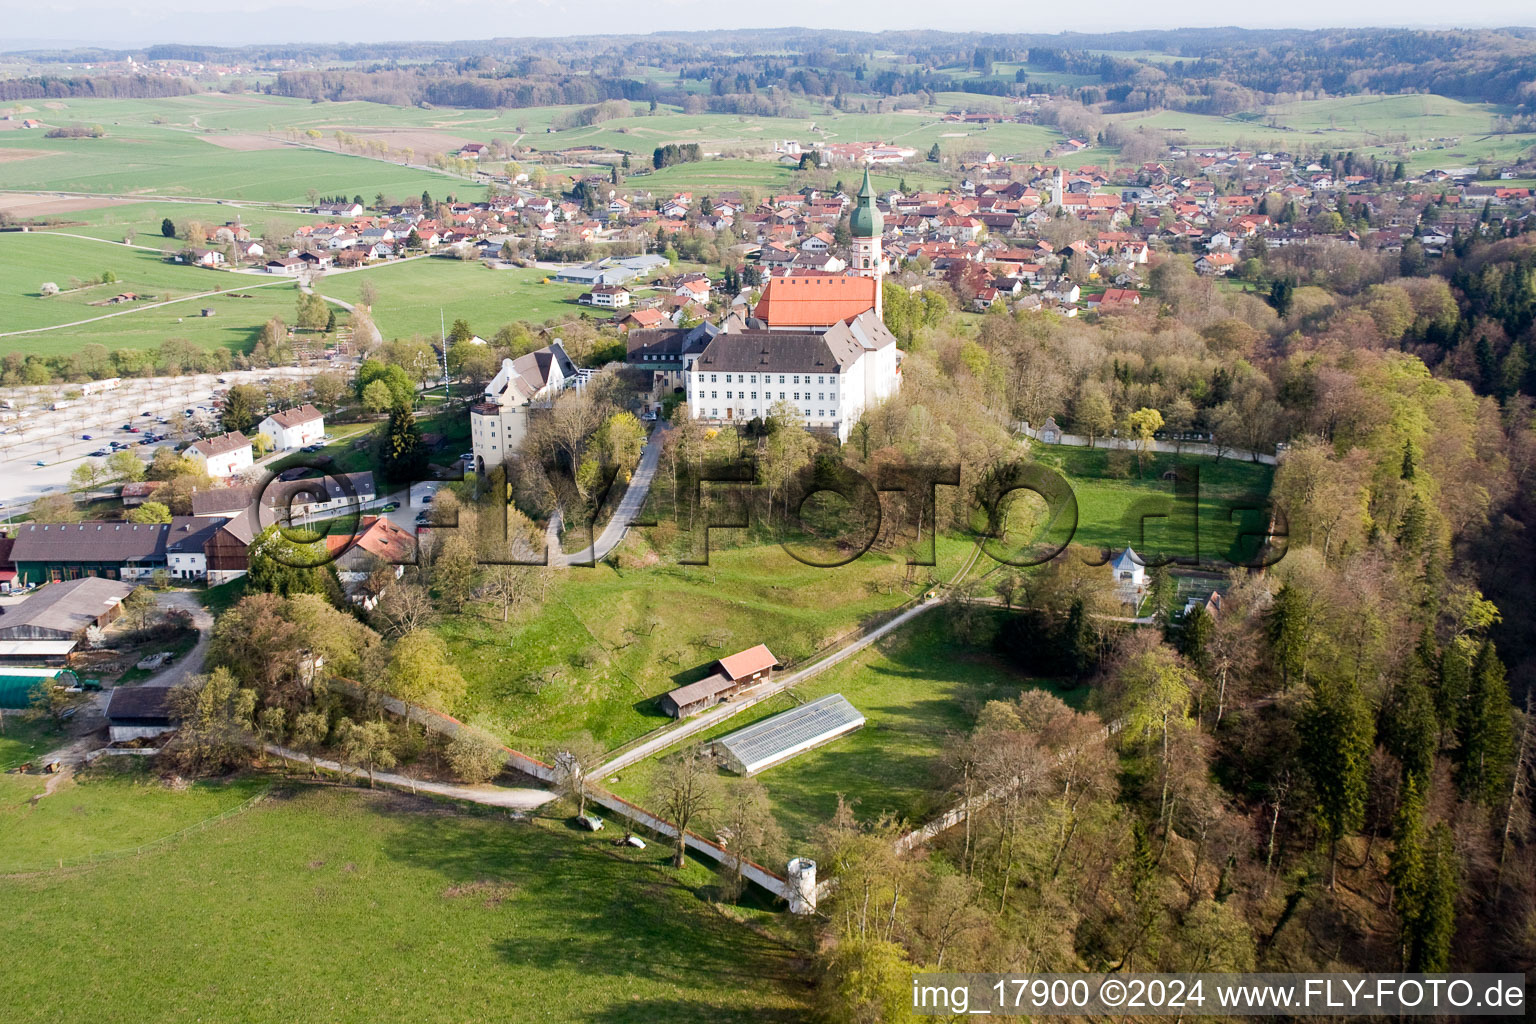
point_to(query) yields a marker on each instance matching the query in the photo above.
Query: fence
(134, 851)
(437, 721)
(1215, 451)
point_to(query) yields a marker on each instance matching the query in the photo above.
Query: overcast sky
(114, 23)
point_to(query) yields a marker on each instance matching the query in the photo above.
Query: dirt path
(515, 797)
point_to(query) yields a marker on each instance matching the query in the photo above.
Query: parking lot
(41, 446)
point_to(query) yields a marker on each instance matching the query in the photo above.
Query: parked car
(97, 454)
(134, 430)
(391, 507)
(85, 437)
(467, 457)
(39, 462)
(422, 518)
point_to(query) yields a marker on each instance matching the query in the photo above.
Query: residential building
(293, 428)
(730, 675)
(223, 456)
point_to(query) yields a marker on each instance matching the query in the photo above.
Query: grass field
(241, 305)
(27, 260)
(1109, 508)
(143, 221)
(604, 645)
(1426, 131)
(416, 297)
(346, 906)
(162, 161)
(916, 688)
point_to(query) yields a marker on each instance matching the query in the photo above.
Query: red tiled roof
(745, 663)
(814, 300)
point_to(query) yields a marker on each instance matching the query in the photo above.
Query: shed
(732, 673)
(777, 739)
(134, 712)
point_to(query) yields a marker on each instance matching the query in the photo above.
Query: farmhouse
(307, 496)
(777, 739)
(223, 456)
(45, 552)
(293, 428)
(730, 675)
(499, 421)
(608, 296)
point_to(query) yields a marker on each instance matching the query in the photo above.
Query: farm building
(777, 739)
(46, 626)
(134, 712)
(731, 674)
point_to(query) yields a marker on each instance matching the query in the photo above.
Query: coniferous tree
(1487, 732)
(403, 457)
(1337, 735)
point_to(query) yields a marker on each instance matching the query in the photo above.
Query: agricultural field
(143, 221)
(1426, 131)
(916, 688)
(240, 303)
(1109, 505)
(605, 643)
(158, 161)
(285, 900)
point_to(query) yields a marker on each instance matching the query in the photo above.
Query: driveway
(91, 714)
(624, 516)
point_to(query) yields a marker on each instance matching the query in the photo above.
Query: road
(624, 516)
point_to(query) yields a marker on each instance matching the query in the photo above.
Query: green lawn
(1109, 509)
(25, 736)
(346, 906)
(915, 689)
(604, 645)
(28, 260)
(115, 807)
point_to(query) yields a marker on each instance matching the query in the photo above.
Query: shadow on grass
(620, 917)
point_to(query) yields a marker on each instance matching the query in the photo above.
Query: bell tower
(865, 226)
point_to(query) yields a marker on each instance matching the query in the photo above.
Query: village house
(730, 675)
(293, 428)
(223, 456)
(607, 296)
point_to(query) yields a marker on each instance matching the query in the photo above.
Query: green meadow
(1124, 505)
(170, 162)
(416, 297)
(606, 642)
(349, 906)
(917, 688)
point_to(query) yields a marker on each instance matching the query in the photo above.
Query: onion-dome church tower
(865, 226)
